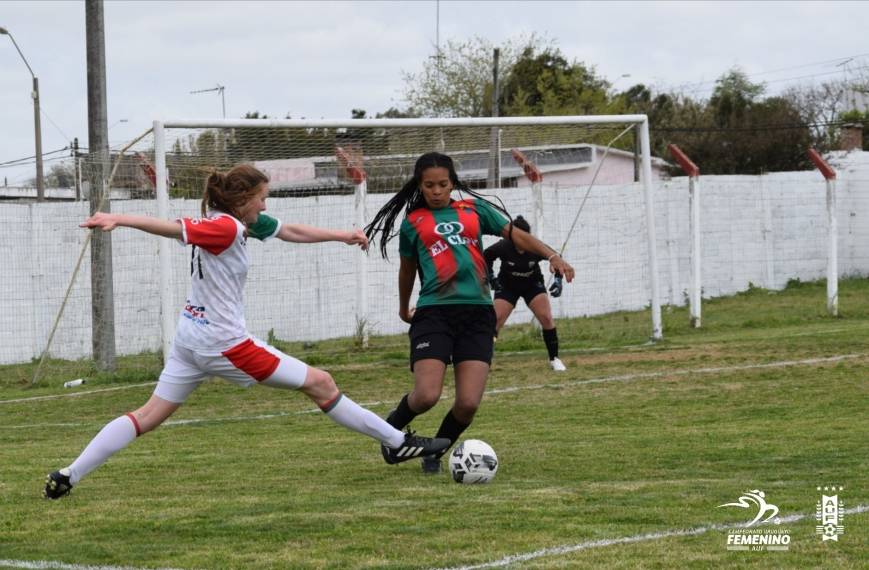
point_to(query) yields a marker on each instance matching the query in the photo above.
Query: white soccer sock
(351, 415)
(115, 436)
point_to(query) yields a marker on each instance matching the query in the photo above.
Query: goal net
(583, 183)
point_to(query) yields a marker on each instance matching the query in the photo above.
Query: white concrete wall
(617, 169)
(763, 230)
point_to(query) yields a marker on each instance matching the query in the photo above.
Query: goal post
(296, 153)
(832, 231)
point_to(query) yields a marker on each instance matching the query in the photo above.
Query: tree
(546, 83)
(61, 175)
(736, 131)
(457, 82)
(733, 96)
(820, 106)
(673, 117)
(394, 113)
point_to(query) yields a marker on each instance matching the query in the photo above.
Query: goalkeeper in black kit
(520, 276)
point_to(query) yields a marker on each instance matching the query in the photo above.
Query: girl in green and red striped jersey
(441, 239)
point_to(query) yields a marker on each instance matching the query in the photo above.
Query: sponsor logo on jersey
(449, 228)
(195, 313)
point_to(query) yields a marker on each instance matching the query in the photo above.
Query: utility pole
(37, 123)
(102, 288)
(494, 178)
(76, 169)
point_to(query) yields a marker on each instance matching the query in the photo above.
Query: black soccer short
(511, 293)
(452, 333)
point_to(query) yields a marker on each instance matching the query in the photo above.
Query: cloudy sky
(322, 59)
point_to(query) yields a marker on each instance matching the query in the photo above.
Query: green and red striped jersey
(448, 246)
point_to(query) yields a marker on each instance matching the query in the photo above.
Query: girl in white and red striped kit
(211, 337)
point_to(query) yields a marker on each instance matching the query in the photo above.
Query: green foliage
(546, 83)
(735, 132)
(457, 82)
(734, 94)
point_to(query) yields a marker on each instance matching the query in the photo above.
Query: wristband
(551, 256)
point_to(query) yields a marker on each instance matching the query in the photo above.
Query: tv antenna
(219, 89)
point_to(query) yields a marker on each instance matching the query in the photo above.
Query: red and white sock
(344, 411)
(115, 436)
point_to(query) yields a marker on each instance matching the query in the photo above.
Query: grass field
(618, 463)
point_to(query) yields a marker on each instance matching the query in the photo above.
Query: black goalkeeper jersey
(517, 269)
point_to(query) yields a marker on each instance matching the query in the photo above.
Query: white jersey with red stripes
(212, 319)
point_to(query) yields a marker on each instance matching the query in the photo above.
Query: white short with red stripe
(250, 362)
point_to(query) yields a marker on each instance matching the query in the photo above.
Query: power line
(828, 61)
(50, 120)
(30, 158)
(695, 91)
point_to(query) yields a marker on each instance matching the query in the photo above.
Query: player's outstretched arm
(300, 233)
(108, 221)
(528, 242)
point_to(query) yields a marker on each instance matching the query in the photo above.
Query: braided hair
(522, 224)
(410, 198)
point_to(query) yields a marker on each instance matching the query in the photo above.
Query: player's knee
(424, 400)
(547, 322)
(152, 414)
(319, 383)
(464, 409)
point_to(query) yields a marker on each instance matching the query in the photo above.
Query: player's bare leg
(471, 376)
(503, 309)
(542, 310)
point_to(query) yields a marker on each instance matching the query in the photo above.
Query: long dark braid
(410, 198)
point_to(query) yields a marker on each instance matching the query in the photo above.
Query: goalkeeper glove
(555, 288)
(494, 282)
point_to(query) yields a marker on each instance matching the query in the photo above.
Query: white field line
(627, 347)
(339, 367)
(569, 548)
(511, 353)
(55, 565)
(506, 561)
(76, 394)
(492, 392)
(683, 372)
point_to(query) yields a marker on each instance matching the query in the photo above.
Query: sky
(322, 59)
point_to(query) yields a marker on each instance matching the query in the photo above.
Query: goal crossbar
(640, 123)
(410, 123)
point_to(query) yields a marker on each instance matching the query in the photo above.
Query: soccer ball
(473, 461)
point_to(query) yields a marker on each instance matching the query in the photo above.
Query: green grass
(259, 482)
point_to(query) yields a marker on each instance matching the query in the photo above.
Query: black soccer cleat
(431, 464)
(57, 484)
(414, 446)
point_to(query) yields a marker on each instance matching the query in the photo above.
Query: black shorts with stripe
(511, 292)
(452, 333)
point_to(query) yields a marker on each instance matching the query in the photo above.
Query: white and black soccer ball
(473, 461)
